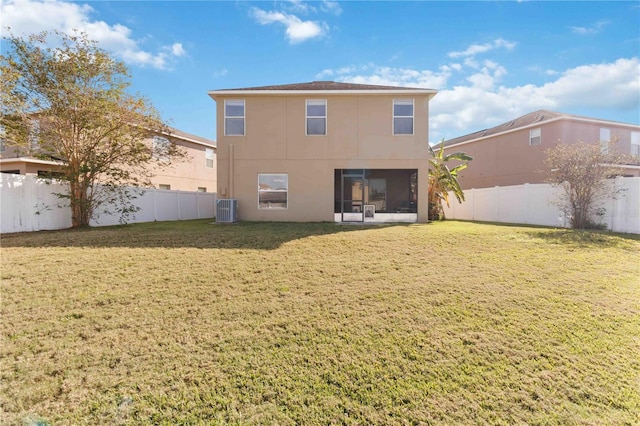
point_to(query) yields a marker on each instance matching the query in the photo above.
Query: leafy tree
(68, 97)
(443, 180)
(581, 170)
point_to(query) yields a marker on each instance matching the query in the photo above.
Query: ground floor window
(388, 190)
(273, 190)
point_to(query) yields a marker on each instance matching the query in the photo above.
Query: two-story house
(324, 151)
(513, 153)
(195, 172)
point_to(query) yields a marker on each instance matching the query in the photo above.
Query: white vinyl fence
(28, 203)
(533, 204)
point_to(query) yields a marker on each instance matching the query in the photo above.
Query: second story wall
(358, 127)
(517, 157)
(193, 172)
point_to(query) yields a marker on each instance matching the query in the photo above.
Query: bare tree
(582, 171)
(70, 98)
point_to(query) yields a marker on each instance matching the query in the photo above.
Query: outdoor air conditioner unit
(227, 211)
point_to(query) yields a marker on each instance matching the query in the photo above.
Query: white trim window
(3, 146)
(234, 117)
(635, 144)
(535, 136)
(34, 135)
(273, 191)
(208, 158)
(316, 117)
(403, 116)
(605, 139)
(160, 149)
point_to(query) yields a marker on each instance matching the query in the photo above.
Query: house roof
(329, 87)
(527, 120)
(189, 137)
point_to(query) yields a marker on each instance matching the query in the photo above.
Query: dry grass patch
(447, 323)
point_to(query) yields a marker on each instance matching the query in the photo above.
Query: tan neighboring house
(196, 172)
(513, 153)
(324, 151)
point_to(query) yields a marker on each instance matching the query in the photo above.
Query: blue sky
(490, 61)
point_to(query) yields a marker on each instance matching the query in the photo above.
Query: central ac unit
(227, 211)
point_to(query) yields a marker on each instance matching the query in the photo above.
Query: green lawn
(253, 323)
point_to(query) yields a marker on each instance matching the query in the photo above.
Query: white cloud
(297, 30)
(220, 73)
(481, 100)
(475, 49)
(594, 29)
(299, 6)
(177, 49)
(331, 7)
(29, 16)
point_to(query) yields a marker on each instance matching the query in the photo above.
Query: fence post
(473, 204)
(497, 203)
(178, 204)
(527, 202)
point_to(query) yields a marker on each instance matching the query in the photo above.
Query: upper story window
(635, 144)
(316, 117)
(234, 117)
(535, 136)
(34, 135)
(208, 157)
(160, 149)
(403, 116)
(2, 144)
(605, 139)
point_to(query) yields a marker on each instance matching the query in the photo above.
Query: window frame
(307, 116)
(412, 116)
(34, 135)
(263, 191)
(209, 152)
(604, 141)
(235, 117)
(156, 154)
(635, 142)
(532, 136)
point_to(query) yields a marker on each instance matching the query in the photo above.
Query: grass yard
(254, 323)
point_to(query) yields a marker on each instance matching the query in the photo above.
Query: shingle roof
(539, 116)
(325, 86)
(188, 136)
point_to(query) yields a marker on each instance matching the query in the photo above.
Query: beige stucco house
(324, 151)
(195, 172)
(513, 153)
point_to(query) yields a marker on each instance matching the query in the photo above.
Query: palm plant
(443, 180)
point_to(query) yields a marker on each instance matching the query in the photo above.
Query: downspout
(231, 171)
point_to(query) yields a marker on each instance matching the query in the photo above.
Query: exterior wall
(189, 173)
(28, 167)
(359, 135)
(186, 174)
(508, 159)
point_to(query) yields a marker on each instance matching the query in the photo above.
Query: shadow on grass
(585, 238)
(203, 233)
(579, 238)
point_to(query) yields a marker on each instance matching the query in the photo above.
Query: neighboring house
(324, 151)
(513, 153)
(196, 172)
